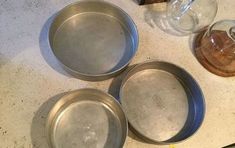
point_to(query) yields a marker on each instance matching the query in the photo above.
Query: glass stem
(183, 9)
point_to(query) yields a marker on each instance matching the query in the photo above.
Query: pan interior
(155, 103)
(93, 43)
(87, 124)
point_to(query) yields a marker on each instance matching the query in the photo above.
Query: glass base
(186, 24)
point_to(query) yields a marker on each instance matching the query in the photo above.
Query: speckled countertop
(31, 80)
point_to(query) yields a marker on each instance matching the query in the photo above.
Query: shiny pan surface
(162, 102)
(86, 118)
(93, 40)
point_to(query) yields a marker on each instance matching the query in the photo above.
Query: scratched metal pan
(162, 102)
(93, 40)
(86, 118)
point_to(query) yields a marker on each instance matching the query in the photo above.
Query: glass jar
(190, 16)
(215, 49)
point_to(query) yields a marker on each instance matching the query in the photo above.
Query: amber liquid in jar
(216, 52)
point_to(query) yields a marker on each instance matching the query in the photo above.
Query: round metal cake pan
(162, 102)
(93, 40)
(87, 118)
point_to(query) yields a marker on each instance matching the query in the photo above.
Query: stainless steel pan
(162, 102)
(93, 40)
(86, 118)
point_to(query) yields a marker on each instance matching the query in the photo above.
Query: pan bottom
(93, 43)
(87, 124)
(155, 103)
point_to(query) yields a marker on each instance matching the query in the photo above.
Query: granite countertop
(32, 80)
